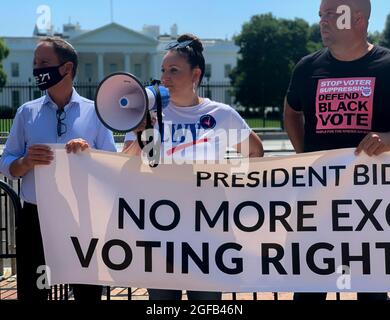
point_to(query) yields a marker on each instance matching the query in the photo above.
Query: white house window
(138, 70)
(113, 67)
(88, 71)
(15, 70)
(228, 69)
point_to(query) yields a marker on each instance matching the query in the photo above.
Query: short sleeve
(294, 96)
(241, 129)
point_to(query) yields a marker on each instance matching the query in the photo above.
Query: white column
(154, 66)
(100, 66)
(127, 63)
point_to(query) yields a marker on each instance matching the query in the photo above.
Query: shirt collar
(75, 99)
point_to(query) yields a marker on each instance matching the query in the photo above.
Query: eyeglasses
(61, 126)
(178, 45)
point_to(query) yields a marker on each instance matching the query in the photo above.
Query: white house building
(112, 48)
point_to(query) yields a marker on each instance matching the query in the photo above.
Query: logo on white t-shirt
(207, 122)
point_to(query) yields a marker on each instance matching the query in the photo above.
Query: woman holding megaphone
(195, 128)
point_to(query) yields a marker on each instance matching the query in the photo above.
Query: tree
(269, 49)
(375, 37)
(315, 39)
(385, 41)
(3, 54)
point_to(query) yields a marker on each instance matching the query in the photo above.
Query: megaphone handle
(139, 139)
(148, 126)
(159, 110)
(152, 154)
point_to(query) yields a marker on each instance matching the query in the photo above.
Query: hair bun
(196, 44)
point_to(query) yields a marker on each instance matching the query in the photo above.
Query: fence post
(30, 95)
(12, 210)
(11, 235)
(263, 108)
(90, 89)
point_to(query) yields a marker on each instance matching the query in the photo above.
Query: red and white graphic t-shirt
(201, 132)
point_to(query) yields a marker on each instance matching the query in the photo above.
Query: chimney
(174, 32)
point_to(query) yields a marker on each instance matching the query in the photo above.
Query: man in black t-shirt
(339, 97)
(341, 101)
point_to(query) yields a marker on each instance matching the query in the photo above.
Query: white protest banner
(310, 222)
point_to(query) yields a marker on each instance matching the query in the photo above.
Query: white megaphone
(122, 102)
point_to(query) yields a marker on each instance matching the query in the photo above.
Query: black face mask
(45, 78)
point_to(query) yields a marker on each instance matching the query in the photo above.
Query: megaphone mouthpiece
(152, 94)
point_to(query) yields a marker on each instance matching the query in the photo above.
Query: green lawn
(5, 125)
(260, 123)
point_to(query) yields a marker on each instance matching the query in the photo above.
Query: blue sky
(205, 18)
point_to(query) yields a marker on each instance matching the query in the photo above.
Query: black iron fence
(9, 208)
(15, 94)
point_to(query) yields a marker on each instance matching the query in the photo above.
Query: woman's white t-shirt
(201, 132)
